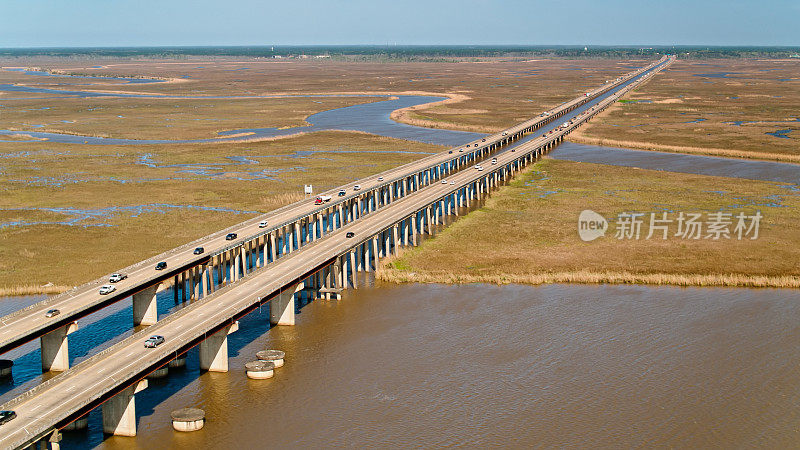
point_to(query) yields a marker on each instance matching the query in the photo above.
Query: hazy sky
(37, 23)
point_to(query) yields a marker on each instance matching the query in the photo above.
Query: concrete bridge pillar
(55, 348)
(375, 254)
(281, 308)
(119, 412)
(296, 236)
(214, 350)
(145, 306)
(414, 219)
(353, 269)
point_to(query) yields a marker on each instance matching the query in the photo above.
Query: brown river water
(507, 366)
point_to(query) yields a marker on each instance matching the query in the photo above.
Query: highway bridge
(304, 248)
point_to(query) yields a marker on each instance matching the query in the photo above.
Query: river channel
(511, 366)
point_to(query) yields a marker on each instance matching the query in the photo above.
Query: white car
(357, 187)
(116, 277)
(461, 150)
(452, 182)
(107, 289)
(380, 178)
(262, 224)
(480, 169)
(444, 181)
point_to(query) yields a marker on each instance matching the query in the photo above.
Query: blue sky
(38, 23)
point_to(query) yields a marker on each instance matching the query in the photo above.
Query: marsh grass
(97, 177)
(527, 232)
(686, 113)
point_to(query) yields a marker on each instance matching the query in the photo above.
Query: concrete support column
(296, 235)
(272, 246)
(145, 306)
(414, 219)
(207, 281)
(214, 350)
(237, 263)
(55, 348)
(119, 412)
(375, 256)
(353, 269)
(197, 280)
(396, 237)
(281, 308)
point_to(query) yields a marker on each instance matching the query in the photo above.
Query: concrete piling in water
(81, 423)
(260, 370)
(274, 356)
(179, 361)
(188, 419)
(161, 372)
(5, 367)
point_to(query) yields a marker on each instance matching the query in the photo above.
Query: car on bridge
(6, 416)
(461, 150)
(154, 341)
(342, 193)
(380, 178)
(199, 251)
(161, 266)
(262, 224)
(107, 289)
(349, 234)
(444, 181)
(357, 187)
(504, 133)
(117, 277)
(231, 236)
(52, 313)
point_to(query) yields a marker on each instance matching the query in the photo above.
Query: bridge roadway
(30, 323)
(71, 394)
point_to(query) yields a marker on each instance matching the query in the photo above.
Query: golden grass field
(494, 93)
(173, 119)
(527, 232)
(98, 179)
(679, 111)
(156, 189)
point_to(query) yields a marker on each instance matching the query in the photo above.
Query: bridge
(303, 250)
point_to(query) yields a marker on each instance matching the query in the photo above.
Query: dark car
(450, 152)
(349, 234)
(161, 266)
(342, 193)
(544, 135)
(52, 313)
(5, 416)
(154, 341)
(230, 236)
(199, 251)
(483, 140)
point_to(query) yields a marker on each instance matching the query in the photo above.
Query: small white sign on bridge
(308, 189)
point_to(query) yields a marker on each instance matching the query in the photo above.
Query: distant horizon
(483, 46)
(143, 23)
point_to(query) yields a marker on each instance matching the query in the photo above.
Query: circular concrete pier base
(273, 356)
(180, 361)
(260, 370)
(80, 423)
(5, 367)
(188, 419)
(161, 372)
